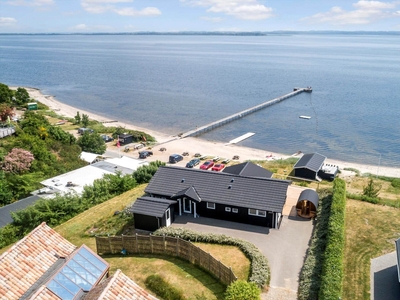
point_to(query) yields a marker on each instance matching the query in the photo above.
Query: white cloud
(102, 6)
(86, 28)
(210, 19)
(240, 9)
(36, 3)
(4, 21)
(365, 12)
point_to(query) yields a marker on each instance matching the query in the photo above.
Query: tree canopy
(92, 142)
(5, 94)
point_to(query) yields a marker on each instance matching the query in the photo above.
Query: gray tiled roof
(311, 161)
(241, 191)
(151, 206)
(5, 211)
(248, 169)
(189, 192)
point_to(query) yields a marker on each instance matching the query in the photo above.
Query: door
(167, 217)
(187, 205)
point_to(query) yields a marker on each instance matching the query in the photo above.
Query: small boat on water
(305, 117)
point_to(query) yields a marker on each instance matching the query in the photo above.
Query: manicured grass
(370, 232)
(230, 256)
(193, 281)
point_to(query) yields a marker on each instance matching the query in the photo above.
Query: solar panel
(80, 273)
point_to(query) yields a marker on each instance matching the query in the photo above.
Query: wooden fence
(164, 245)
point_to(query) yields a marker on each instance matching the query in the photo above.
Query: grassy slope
(179, 273)
(370, 232)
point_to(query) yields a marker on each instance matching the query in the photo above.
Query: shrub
(332, 268)
(162, 288)
(259, 269)
(242, 290)
(396, 183)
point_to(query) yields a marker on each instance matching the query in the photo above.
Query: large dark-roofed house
(309, 165)
(248, 169)
(251, 200)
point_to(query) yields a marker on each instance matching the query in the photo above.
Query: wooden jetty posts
(241, 114)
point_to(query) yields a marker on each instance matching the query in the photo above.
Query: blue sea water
(174, 83)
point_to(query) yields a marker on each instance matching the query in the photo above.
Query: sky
(91, 16)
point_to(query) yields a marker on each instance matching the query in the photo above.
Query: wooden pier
(241, 114)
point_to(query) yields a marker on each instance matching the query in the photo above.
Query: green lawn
(193, 281)
(370, 232)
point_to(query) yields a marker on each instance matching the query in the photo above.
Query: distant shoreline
(197, 145)
(220, 33)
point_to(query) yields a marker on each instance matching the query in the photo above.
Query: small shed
(152, 213)
(309, 165)
(32, 106)
(125, 139)
(307, 204)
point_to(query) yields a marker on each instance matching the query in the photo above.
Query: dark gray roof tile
(250, 192)
(311, 161)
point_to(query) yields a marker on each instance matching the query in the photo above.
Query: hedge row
(259, 269)
(162, 288)
(310, 276)
(332, 269)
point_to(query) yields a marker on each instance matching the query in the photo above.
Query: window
(235, 210)
(257, 212)
(228, 209)
(210, 205)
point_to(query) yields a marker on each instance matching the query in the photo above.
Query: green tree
(242, 290)
(85, 120)
(372, 189)
(92, 142)
(34, 124)
(77, 118)
(5, 192)
(59, 134)
(5, 94)
(145, 173)
(21, 96)
(6, 111)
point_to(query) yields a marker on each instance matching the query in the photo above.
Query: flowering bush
(17, 161)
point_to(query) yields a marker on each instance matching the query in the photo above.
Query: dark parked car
(174, 158)
(192, 163)
(145, 154)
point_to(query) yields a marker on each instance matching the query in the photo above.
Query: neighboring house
(245, 199)
(75, 180)
(309, 165)
(44, 265)
(248, 169)
(125, 139)
(90, 158)
(398, 258)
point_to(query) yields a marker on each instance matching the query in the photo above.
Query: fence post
(219, 270)
(109, 244)
(137, 244)
(151, 243)
(209, 260)
(177, 246)
(165, 245)
(123, 244)
(97, 245)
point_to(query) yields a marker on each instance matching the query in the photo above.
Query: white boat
(305, 117)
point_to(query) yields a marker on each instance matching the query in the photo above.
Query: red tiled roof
(25, 262)
(119, 286)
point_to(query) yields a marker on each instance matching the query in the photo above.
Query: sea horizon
(173, 83)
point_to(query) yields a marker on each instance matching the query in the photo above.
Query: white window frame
(257, 212)
(210, 205)
(227, 209)
(235, 210)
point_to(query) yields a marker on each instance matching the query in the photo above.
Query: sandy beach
(196, 145)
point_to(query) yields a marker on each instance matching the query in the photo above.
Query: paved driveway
(285, 248)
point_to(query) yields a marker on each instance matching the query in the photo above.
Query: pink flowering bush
(17, 161)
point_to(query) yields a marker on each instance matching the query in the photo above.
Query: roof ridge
(109, 284)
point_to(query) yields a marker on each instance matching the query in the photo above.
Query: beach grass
(370, 232)
(193, 281)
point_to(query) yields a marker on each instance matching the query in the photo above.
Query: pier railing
(241, 114)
